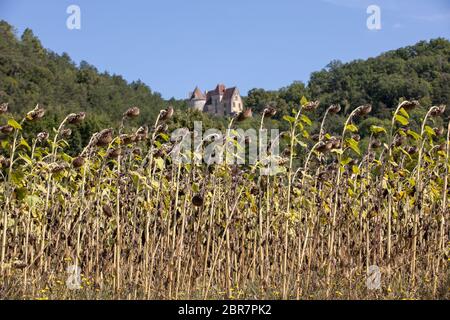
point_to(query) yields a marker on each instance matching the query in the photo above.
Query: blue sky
(173, 45)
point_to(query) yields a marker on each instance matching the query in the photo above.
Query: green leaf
(355, 170)
(346, 161)
(402, 120)
(160, 163)
(405, 153)
(301, 143)
(377, 129)
(338, 151)
(66, 157)
(353, 144)
(13, 123)
(26, 158)
(32, 200)
(430, 131)
(289, 119)
(306, 120)
(428, 159)
(404, 113)
(351, 128)
(305, 134)
(20, 193)
(17, 177)
(414, 134)
(164, 136)
(24, 143)
(303, 101)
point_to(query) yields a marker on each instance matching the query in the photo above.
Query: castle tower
(197, 99)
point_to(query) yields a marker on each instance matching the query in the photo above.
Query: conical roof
(197, 94)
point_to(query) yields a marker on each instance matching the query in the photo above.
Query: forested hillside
(31, 74)
(419, 72)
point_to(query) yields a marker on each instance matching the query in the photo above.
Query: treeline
(419, 72)
(31, 74)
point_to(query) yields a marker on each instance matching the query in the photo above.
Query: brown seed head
(132, 112)
(66, 133)
(364, 110)
(3, 108)
(311, 106)
(35, 114)
(78, 162)
(269, 112)
(142, 133)
(409, 105)
(57, 168)
(375, 144)
(104, 137)
(437, 111)
(335, 141)
(161, 128)
(4, 162)
(324, 146)
(127, 138)
(412, 150)
(334, 108)
(6, 129)
(197, 200)
(167, 114)
(107, 210)
(76, 118)
(113, 153)
(42, 136)
(244, 115)
(439, 131)
(137, 151)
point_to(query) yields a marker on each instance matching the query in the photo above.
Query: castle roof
(226, 93)
(229, 93)
(197, 94)
(220, 89)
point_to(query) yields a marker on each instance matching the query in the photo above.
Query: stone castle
(221, 101)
